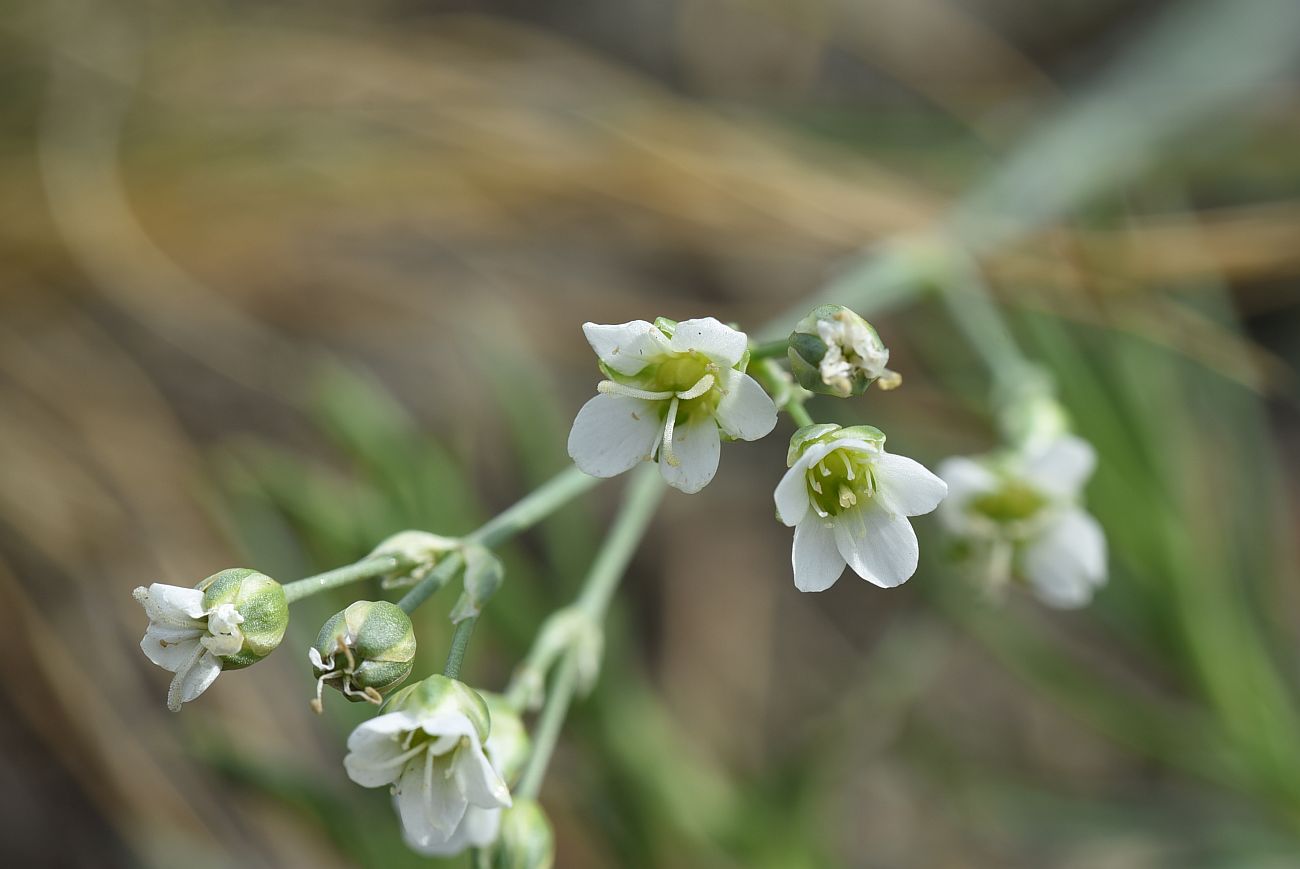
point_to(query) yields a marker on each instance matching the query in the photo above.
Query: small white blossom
(507, 748)
(1018, 512)
(232, 619)
(848, 501)
(188, 638)
(852, 349)
(430, 749)
(670, 397)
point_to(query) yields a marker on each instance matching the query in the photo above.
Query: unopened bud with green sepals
(526, 840)
(833, 351)
(365, 651)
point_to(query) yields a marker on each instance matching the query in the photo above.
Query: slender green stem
(774, 349)
(366, 568)
(798, 413)
(642, 498)
(528, 511)
(459, 643)
(534, 507)
(549, 724)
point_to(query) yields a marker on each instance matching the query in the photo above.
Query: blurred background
(281, 278)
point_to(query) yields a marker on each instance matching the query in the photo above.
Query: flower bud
(526, 840)
(419, 552)
(365, 651)
(508, 744)
(439, 694)
(260, 613)
(833, 351)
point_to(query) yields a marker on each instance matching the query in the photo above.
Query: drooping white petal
(612, 433)
(815, 556)
(477, 779)
(1062, 467)
(745, 411)
(477, 829)
(695, 447)
(908, 486)
(626, 347)
(967, 480)
(170, 648)
(718, 341)
(880, 546)
(193, 680)
(791, 493)
(171, 604)
(1068, 561)
(374, 748)
(428, 801)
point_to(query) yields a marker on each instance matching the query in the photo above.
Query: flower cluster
(672, 393)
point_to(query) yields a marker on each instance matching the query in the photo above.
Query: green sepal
(526, 840)
(439, 693)
(261, 602)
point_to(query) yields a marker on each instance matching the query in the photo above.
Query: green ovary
(840, 481)
(679, 374)
(1014, 502)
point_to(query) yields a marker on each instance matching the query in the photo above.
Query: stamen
(399, 759)
(821, 466)
(318, 705)
(668, 455)
(847, 497)
(848, 466)
(347, 651)
(174, 689)
(704, 384)
(610, 387)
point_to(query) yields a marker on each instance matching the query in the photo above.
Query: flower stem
(639, 504)
(775, 349)
(459, 643)
(528, 511)
(366, 568)
(798, 413)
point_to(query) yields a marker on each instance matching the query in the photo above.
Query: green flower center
(841, 481)
(679, 373)
(1014, 502)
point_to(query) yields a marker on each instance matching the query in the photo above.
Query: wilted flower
(507, 750)
(231, 620)
(429, 746)
(1018, 513)
(834, 351)
(419, 552)
(365, 651)
(674, 390)
(849, 501)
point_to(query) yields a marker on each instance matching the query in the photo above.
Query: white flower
(506, 748)
(188, 638)
(1019, 512)
(430, 748)
(848, 501)
(672, 393)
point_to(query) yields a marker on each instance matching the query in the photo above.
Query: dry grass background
(209, 205)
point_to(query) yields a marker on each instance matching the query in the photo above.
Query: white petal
(791, 493)
(1062, 467)
(627, 347)
(428, 801)
(171, 604)
(478, 780)
(908, 487)
(966, 479)
(193, 680)
(880, 546)
(477, 829)
(613, 433)
(170, 648)
(721, 343)
(1068, 561)
(816, 558)
(374, 746)
(696, 447)
(745, 411)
